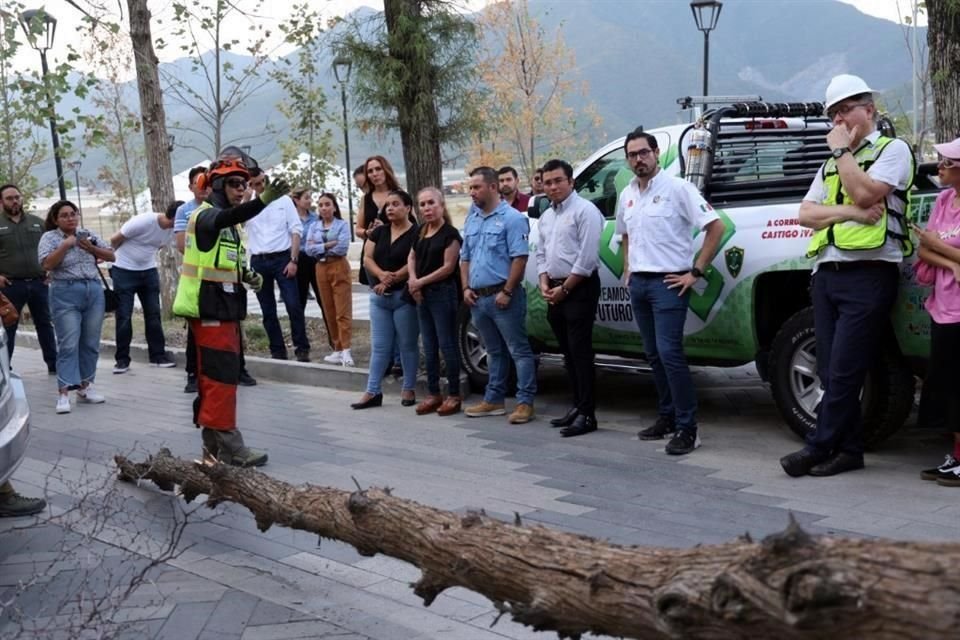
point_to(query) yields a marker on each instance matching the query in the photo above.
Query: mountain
(636, 56)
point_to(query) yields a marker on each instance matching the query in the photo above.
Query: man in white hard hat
(856, 206)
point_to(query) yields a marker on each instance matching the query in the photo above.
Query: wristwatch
(836, 153)
(696, 272)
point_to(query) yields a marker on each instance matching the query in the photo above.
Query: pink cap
(949, 149)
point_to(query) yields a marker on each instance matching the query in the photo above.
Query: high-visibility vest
(210, 285)
(855, 236)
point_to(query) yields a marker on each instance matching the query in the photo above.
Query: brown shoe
(522, 414)
(484, 409)
(431, 404)
(450, 406)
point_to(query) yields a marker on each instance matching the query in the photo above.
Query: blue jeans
(504, 331)
(438, 328)
(660, 315)
(77, 309)
(851, 311)
(271, 267)
(145, 285)
(33, 293)
(393, 323)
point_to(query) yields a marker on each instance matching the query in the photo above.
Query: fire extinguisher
(698, 157)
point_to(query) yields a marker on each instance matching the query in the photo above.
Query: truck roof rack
(689, 102)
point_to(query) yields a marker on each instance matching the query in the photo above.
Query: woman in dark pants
(433, 283)
(306, 265)
(939, 267)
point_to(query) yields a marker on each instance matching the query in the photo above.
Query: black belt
(488, 291)
(558, 282)
(658, 274)
(273, 254)
(856, 264)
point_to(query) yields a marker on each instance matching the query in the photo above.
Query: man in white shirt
(134, 273)
(567, 257)
(273, 239)
(656, 214)
(856, 207)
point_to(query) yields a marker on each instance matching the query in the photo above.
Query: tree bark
(943, 49)
(159, 172)
(788, 586)
(417, 115)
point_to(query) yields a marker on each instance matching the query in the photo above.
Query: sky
(69, 22)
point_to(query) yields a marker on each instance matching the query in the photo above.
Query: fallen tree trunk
(790, 585)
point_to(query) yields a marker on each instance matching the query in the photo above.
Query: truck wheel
(473, 353)
(887, 393)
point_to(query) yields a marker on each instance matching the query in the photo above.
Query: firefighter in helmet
(212, 296)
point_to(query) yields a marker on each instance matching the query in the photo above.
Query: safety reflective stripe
(209, 273)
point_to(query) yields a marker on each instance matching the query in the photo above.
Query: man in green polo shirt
(22, 279)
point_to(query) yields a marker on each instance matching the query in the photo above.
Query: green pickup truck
(754, 163)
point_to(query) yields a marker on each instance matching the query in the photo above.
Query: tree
(29, 101)
(21, 148)
(200, 27)
(304, 103)
(919, 56)
(412, 74)
(119, 127)
(943, 43)
(528, 73)
(789, 585)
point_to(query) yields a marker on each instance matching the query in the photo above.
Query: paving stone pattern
(99, 561)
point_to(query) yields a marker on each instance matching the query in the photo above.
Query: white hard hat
(844, 86)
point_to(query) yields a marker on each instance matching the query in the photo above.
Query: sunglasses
(947, 163)
(236, 183)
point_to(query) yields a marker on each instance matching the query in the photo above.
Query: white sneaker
(345, 358)
(90, 395)
(63, 403)
(334, 358)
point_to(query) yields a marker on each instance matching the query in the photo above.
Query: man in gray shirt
(21, 278)
(567, 256)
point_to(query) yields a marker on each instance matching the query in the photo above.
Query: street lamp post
(75, 166)
(29, 20)
(705, 14)
(341, 71)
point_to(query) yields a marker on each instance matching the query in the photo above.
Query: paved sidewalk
(232, 582)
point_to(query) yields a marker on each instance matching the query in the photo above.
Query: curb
(287, 371)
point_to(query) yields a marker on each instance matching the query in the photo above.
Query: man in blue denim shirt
(492, 261)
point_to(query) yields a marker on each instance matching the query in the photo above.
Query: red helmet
(219, 170)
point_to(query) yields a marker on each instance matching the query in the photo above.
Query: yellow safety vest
(210, 285)
(851, 235)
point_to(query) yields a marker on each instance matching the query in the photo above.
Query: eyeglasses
(67, 214)
(843, 110)
(642, 153)
(236, 183)
(948, 163)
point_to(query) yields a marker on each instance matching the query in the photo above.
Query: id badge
(231, 255)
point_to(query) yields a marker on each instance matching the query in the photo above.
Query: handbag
(110, 299)
(8, 313)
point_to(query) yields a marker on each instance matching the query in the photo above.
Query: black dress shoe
(408, 402)
(373, 401)
(246, 380)
(800, 462)
(566, 420)
(839, 463)
(581, 425)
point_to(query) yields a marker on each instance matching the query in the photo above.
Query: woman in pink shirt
(939, 267)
